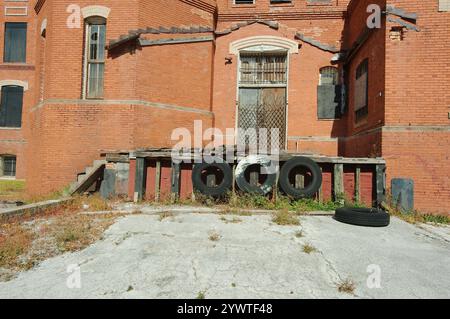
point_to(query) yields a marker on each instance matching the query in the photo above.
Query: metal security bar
(258, 69)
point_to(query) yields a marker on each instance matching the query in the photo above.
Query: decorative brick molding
(15, 82)
(261, 41)
(92, 11)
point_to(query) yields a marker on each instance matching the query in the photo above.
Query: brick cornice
(205, 5)
(292, 15)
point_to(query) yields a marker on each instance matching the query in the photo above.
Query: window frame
(361, 112)
(5, 119)
(21, 59)
(3, 159)
(89, 62)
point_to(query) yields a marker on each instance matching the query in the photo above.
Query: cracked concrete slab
(143, 257)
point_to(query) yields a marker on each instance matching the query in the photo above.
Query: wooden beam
(320, 191)
(254, 178)
(176, 176)
(358, 184)
(140, 179)
(158, 181)
(380, 182)
(338, 181)
(299, 181)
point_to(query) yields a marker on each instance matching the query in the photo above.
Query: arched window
(329, 75)
(95, 57)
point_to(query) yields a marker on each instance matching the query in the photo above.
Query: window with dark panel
(95, 57)
(362, 91)
(329, 94)
(8, 166)
(11, 106)
(15, 43)
(244, 2)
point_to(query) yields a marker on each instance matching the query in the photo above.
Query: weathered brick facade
(149, 90)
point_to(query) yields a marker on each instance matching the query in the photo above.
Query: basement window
(244, 1)
(362, 91)
(15, 45)
(11, 106)
(8, 166)
(95, 57)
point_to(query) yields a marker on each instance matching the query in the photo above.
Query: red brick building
(348, 88)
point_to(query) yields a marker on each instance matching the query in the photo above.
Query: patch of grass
(12, 190)
(201, 295)
(165, 215)
(214, 236)
(233, 285)
(308, 249)
(284, 218)
(15, 241)
(347, 286)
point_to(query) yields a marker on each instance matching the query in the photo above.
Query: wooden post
(254, 178)
(380, 181)
(158, 181)
(338, 181)
(233, 186)
(320, 192)
(176, 174)
(358, 184)
(140, 179)
(299, 181)
(211, 180)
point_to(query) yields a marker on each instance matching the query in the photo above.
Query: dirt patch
(27, 240)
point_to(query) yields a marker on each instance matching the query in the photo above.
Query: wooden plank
(358, 184)
(320, 191)
(176, 174)
(211, 180)
(158, 181)
(254, 178)
(299, 181)
(140, 179)
(338, 183)
(380, 182)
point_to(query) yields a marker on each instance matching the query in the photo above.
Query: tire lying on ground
(200, 184)
(372, 217)
(316, 178)
(267, 168)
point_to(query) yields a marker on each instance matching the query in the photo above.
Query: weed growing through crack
(214, 236)
(233, 220)
(308, 248)
(299, 234)
(285, 218)
(347, 286)
(165, 215)
(201, 295)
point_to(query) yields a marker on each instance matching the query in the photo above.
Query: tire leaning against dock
(245, 185)
(363, 216)
(216, 191)
(311, 189)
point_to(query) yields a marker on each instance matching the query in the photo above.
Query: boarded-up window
(95, 50)
(361, 90)
(11, 106)
(15, 45)
(329, 94)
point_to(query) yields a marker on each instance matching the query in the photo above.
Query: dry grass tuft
(299, 234)
(347, 286)
(284, 218)
(308, 249)
(214, 236)
(165, 215)
(233, 220)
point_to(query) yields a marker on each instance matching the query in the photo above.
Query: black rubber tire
(216, 191)
(308, 191)
(242, 182)
(371, 217)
